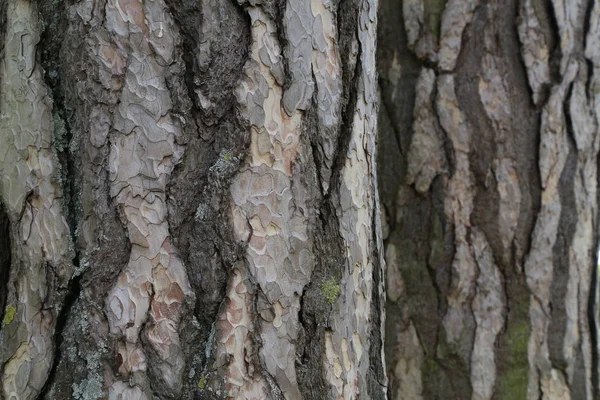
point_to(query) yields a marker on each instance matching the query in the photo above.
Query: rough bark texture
(191, 198)
(488, 179)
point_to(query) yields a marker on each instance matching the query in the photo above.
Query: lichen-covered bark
(190, 190)
(492, 228)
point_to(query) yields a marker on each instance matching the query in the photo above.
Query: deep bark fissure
(71, 297)
(587, 22)
(48, 55)
(386, 108)
(275, 392)
(328, 244)
(441, 300)
(553, 35)
(318, 158)
(5, 257)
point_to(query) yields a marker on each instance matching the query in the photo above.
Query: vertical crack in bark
(562, 286)
(71, 296)
(316, 310)
(54, 21)
(198, 194)
(86, 105)
(5, 254)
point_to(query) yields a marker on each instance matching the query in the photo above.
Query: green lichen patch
(513, 382)
(202, 382)
(226, 155)
(9, 315)
(434, 10)
(331, 290)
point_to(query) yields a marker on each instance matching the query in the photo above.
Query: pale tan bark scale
(409, 366)
(488, 309)
(235, 346)
(534, 48)
(33, 199)
(457, 15)
(414, 16)
(426, 158)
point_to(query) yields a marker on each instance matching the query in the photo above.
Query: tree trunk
(190, 192)
(490, 214)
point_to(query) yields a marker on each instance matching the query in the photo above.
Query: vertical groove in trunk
(5, 261)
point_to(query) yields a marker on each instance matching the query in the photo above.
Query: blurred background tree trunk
(189, 200)
(488, 146)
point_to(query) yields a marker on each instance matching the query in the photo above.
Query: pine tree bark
(190, 193)
(488, 179)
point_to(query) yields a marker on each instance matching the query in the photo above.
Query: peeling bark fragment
(426, 157)
(488, 309)
(311, 49)
(554, 386)
(534, 49)
(592, 40)
(395, 283)
(298, 22)
(457, 15)
(235, 347)
(326, 63)
(539, 261)
(42, 250)
(422, 38)
(408, 368)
